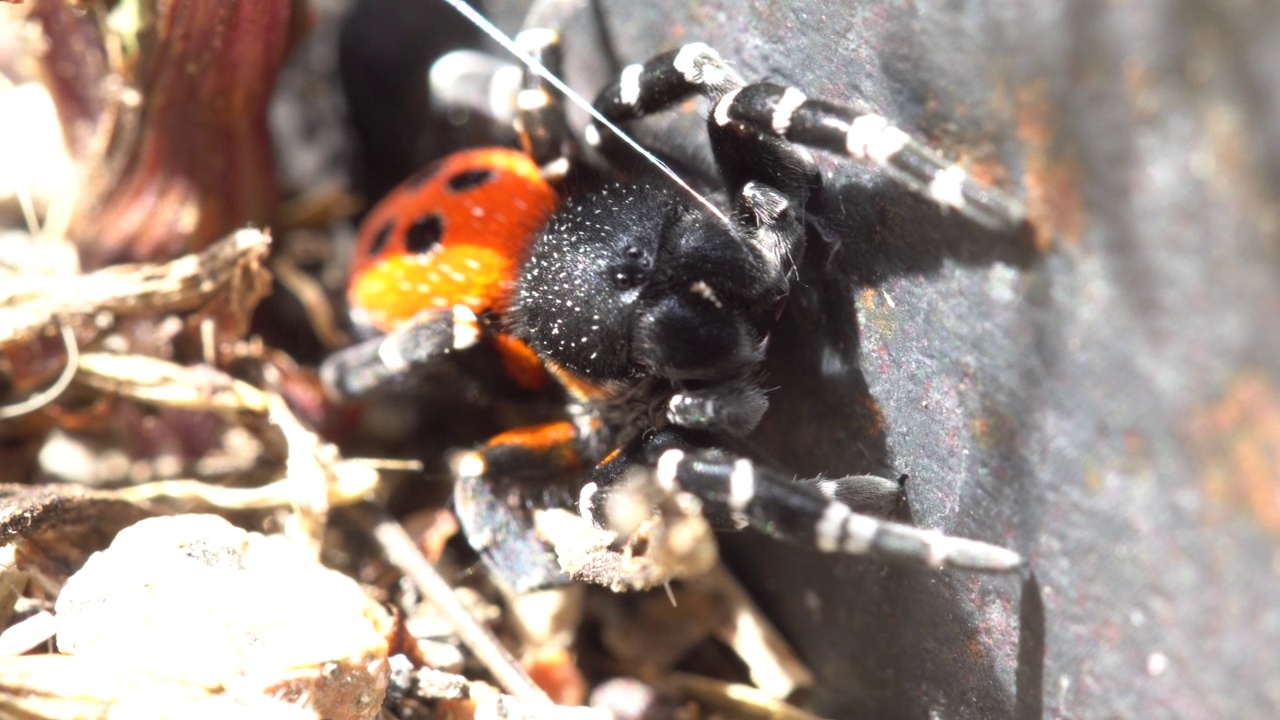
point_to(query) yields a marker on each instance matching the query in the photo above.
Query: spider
(647, 303)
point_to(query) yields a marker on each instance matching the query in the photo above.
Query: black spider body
(653, 306)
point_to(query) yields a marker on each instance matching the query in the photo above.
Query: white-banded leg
(730, 408)
(379, 361)
(861, 134)
(736, 493)
(540, 120)
(869, 494)
(810, 513)
(497, 484)
(743, 154)
(777, 235)
(475, 82)
(512, 96)
(665, 80)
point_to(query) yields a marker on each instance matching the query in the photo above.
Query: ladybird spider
(649, 305)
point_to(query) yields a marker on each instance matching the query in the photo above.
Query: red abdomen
(455, 234)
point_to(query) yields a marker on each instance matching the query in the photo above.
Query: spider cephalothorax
(630, 281)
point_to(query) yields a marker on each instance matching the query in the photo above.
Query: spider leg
(736, 493)
(540, 119)
(667, 79)
(368, 365)
(777, 111)
(475, 81)
(742, 154)
(512, 96)
(869, 494)
(735, 408)
(494, 488)
(786, 112)
(776, 231)
(731, 408)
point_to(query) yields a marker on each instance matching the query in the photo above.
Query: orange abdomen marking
(455, 234)
(553, 444)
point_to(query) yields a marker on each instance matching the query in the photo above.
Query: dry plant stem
(356, 478)
(404, 554)
(27, 634)
(311, 467)
(314, 469)
(314, 301)
(270, 495)
(199, 161)
(51, 393)
(160, 382)
(740, 701)
(316, 476)
(773, 666)
(29, 303)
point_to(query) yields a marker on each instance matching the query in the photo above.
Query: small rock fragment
(193, 600)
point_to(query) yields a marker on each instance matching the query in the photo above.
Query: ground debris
(190, 602)
(233, 268)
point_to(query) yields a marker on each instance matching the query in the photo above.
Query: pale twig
(402, 552)
(235, 264)
(51, 393)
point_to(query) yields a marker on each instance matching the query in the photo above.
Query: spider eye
(629, 275)
(632, 269)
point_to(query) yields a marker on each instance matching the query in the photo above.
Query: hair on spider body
(651, 305)
(638, 280)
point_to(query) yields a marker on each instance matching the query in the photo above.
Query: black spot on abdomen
(424, 233)
(468, 179)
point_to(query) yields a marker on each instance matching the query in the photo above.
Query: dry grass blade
(160, 382)
(51, 393)
(353, 480)
(404, 554)
(773, 665)
(740, 701)
(234, 265)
